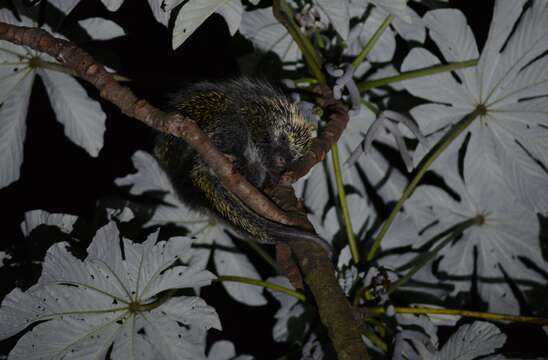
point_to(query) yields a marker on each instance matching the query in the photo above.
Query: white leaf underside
(267, 34)
(510, 84)
(337, 14)
(191, 16)
(101, 29)
(85, 303)
(82, 117)
(36, 218)
(472, 341)
(13, 113)
(232, 13)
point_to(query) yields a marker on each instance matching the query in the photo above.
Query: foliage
(468, 172)
(112, 298)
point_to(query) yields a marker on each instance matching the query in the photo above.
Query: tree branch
(341, 320)
(85, 67)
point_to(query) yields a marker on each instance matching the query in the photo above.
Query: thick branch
(343, 323)
(335, 311)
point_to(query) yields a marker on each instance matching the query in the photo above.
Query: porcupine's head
(279, 132)
(257, 128)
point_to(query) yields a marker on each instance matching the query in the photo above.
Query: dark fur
(257, 128)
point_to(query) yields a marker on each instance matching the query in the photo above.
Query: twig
(267, 285)
(375, 311)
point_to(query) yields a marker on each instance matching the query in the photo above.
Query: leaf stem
(305, 82)
(371, 43)
(168, 294)
(245, 280)
(413, 74)
(375, 339)
(284, 14)
(379, 310)
(423, 167)
(344, 204)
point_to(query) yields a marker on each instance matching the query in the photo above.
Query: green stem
(80, 312)
(305, 82)
(472, 314)
(244, 280)
(284, 14)
(380, 326)
(371, 107)
(406, 75)
(369, 46)
(423, 167)
(319, 40)
(344, 204)
(160, 301)
(423, 259)
(375, 339)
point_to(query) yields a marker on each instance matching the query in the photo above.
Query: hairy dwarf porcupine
(258, 129)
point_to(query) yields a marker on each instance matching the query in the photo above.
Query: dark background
(60, 177)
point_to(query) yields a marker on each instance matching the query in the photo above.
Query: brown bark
(338, 316)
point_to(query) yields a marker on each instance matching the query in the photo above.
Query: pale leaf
(13, 115)
(456, 45)
(35, 218)
(338, 14)
(395, 7)
(232, 11)
(83, 306)
(191, 16)
(267, 34)
(428, 87)
(65, 6)
(413, 30)
(82, 117)
(228, 262)
(112, 5)
(101, 29)
(472, 341)
(362, 32)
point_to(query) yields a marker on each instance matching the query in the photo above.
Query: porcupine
(258, 129)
